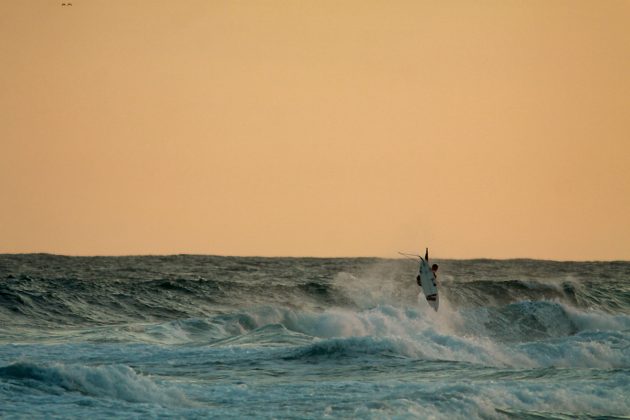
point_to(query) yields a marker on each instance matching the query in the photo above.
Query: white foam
(444, 336)
(111, 381)
(591, 320)
(468, 400)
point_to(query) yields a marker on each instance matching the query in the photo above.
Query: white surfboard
(428, 283)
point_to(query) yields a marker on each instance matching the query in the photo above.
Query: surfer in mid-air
(427, 278)
(434, 269)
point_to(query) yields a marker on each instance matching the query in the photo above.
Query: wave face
(197, 336)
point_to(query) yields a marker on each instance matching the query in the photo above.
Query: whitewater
(189, 336)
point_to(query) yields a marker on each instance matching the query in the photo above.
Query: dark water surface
(227, 337)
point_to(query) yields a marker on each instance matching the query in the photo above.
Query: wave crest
(114, 381)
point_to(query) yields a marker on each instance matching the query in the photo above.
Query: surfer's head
(434, 267)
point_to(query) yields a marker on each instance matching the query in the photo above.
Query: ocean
(189, 336)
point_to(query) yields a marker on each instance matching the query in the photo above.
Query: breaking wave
(321, 337)
(115, 382)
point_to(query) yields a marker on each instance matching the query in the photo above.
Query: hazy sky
(326, 128)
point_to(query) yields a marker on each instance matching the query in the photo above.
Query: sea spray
(202, 336)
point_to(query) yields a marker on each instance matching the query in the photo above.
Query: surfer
(427, 280)
(434, 269)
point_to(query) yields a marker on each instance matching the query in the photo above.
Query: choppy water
(201, 336)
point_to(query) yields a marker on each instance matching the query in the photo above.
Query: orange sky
(327, 128)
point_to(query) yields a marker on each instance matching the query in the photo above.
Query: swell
(46, 290)
(611, 297)
(66, 301)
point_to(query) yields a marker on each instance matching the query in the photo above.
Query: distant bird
(66, 4)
